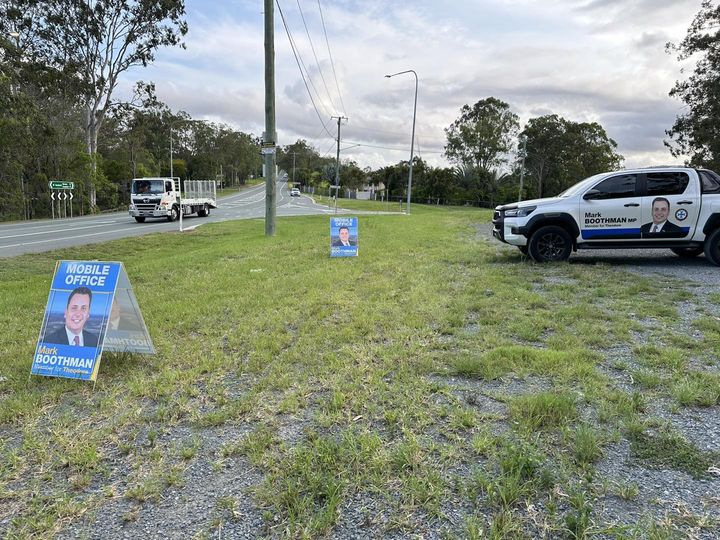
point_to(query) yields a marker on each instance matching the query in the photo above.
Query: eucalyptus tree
(92, 43)
(695, 133)
(483, 135)
(560, 152)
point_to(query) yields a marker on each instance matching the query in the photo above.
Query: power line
(392, 148)
(299, 61)
(329, 148)
(315, 55)
(324, 128)
(330, 55)
(296, 51)
(363, 128)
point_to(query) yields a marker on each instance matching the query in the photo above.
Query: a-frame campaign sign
(91, 308)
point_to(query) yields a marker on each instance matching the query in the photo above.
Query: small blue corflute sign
(343, 237)
(75, 322)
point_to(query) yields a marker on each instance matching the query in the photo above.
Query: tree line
(60, 120)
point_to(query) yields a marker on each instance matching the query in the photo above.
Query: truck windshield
(149, 187)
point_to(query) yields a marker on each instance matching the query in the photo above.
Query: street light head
(388, 76)
(15, 34)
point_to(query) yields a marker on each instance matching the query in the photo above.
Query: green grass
(545, 410)
(697, 388)
(437, 370)
(669, 450)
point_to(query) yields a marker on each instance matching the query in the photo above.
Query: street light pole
(522, 167)
(171, 153)
(412, 140)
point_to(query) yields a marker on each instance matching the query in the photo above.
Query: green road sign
(62, 185)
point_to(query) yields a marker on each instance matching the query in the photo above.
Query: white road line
(246, 202)
(56, 230)
(36, 225)
(70, 237)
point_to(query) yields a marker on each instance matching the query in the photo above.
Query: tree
(560, 152)
(311, 168)
(483, 135)
(93, 42)
(435, 185)
(697, 133)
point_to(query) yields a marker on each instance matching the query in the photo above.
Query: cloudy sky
(586, 60)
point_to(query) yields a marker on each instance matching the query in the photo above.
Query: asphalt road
(22, 237)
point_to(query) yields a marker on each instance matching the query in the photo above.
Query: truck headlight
(520, 212)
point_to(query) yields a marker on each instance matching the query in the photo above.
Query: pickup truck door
(610, 210)
(670, 205)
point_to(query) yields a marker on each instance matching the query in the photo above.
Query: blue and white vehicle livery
(675, 208)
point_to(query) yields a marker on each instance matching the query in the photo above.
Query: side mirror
(592, 194)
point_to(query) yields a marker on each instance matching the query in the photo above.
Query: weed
(543, 410)
(697, 388)
(577, 520)
(474, 528)
(505, 525)
(670, 450)
(462, 419)
(253, 445)
(189, 449)
(647, 378)
(483, 443)
(628, 491)
(586, 444)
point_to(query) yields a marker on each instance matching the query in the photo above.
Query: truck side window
(168, 187)
(617, 187)
(710, 182)
(667, 183)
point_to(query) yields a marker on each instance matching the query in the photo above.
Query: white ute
(675, 208)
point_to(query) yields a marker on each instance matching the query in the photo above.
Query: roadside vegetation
(438, 385)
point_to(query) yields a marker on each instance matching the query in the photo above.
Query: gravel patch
(198, 507)
(661, 492)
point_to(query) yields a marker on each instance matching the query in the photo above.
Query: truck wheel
(712, 247)
(550, 244)
(204, 211)
(173, 214)
(687, 252)
(140, 219)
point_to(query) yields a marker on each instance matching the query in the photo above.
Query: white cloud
(598, 60)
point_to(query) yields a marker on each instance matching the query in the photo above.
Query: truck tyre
(140, 219)
(712, 247)
(687, 252)
(204, 211)
(173, 214)
(550, 244)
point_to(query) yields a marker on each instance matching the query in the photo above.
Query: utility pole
(270, 136)
(522, 168)
(337, 160)
(293, 180)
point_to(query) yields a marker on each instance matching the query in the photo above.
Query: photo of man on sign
(660, 224)
(77, 313)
